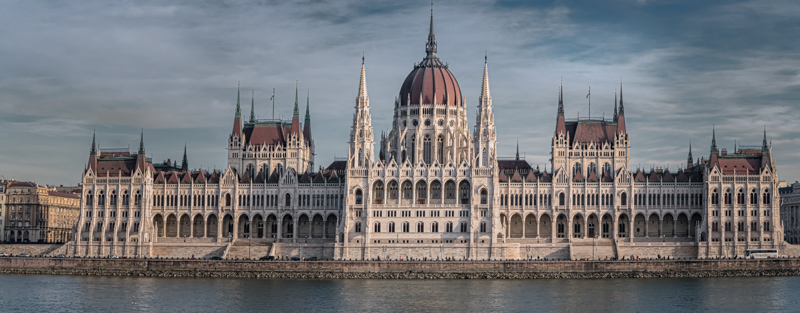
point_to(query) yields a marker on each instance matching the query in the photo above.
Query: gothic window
(727, 196)
(463, 189)
(440, 147)
(623, 199)
(483, 227)
(766, 199)
(740, 197)
(448, 227)
(753, 197)
(434, 227)
(607, 169)
(391, 227)
(358, 196)
(377, 228)
(251, 170)
(407, 190)
(463, 227)
(125, 198)
(378, 193)
(484, 196)
(450, 190)
(360, 159)
(289, 199)
(137, 198)
(714, 197)
(561, 198)
(422, 190)
(89, 197)
(426, 150)
(484, 160)
(357, 226)
(575, 169)
(101, 198)
(436, 190)
(413, 149)
(392, 190)
(592, 169)
(113, 198)
(405, 227)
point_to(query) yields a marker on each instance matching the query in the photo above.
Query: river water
(37, 293)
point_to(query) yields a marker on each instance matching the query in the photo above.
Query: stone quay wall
(401, 269)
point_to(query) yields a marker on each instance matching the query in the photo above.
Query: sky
(171, 69)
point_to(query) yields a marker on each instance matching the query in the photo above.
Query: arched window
(137, 197)
(89, 197)
(378, 192)
(228, 199)
(420, 227)
(112, 198)
(407, 190)
(714, 197)
(358, 196)
(393, 190)
(753, 196)
(448, 227)
(436, 190)
(484, 196)
(450, 190)
(357, 226)
(405, 227)
(413, 149)
(422, 191)
(561, 198)
(391, 227)
(125, 198)
(623, 199)
(101, 198)
(592, 169)
(740, 197)
(440, 149)
(727, 196)
(288, 199)
(426, 150)
(434, 227)
(464, 191)
(575, 169)
(377, 228)
(766, 199)
(607, 169)
(360, 160)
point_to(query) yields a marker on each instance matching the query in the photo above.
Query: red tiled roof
(578, 176)
(270, 134)
(516, 177)
(739, 165)
(63, 195)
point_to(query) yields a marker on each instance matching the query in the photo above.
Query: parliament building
(429, 188)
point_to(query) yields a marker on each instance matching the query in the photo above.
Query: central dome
(430, 82)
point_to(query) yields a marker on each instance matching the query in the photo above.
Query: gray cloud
(171, 68)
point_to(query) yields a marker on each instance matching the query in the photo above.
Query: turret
(253, 107)
(237, 117)
(361, 138)
(93, 154)
(485, 137)
(621, 115)
(690, 159)
(296, 115)
(141, 157)
(185, 162)
(307, 122)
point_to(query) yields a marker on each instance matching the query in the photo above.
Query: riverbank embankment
(401, 269)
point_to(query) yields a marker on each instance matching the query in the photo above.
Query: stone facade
(433, 190)
(39, 214)
(790, 212)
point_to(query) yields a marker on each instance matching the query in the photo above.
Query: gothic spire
(307, 122)
(690, 159)
(296, 109)
(93, 152)
(362, 85)
(615, 104)
(253, 107)
(485, 94)
(238, 97)
(517, 156)
(430, 47)
(561, 98)
(185, 162)
(621, 106)
(764, 146)
(714, 140)
(141, 143)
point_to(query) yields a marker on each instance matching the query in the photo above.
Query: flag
(589, 93)
(273, 96)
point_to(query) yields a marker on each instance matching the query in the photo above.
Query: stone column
(294, 229)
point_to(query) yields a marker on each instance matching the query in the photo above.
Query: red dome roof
(428, 79)
(430, 82)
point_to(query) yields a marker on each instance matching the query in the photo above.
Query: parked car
(2, 254)
(295, 258)
(61, 256)
(113, 257)
(313, 258)
(215, 258)
(267, 258)
(23, 255)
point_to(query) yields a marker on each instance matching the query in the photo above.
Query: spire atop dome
(764, 146)
(430, 47)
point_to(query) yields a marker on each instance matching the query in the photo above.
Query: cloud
(172, 69)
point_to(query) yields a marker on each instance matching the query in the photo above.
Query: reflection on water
(32, 293)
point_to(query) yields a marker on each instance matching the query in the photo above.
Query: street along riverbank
(401, 269)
